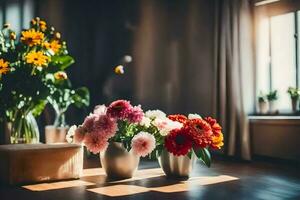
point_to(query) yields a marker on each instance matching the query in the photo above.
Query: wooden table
(225, 180)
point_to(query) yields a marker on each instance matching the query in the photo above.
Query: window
(18, 13)
(278, 56)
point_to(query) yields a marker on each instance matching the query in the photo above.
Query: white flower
(194, 116)
(100, 110)
(146, 121)
(153, 114)
(71, 133)
(166, 125)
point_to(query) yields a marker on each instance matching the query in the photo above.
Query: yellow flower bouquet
(30, 65)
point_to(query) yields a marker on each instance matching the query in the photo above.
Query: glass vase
(24, 129)
(60, 119)
(57, 132)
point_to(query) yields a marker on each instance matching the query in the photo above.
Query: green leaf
(204, 155)
(38, 108)
(62, 62)
(190, 154)
(81, 97)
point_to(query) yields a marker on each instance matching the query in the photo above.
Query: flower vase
(23, 129)
(57, 133)
(272, 107)
(117, 162)
(295, 104)
(176, 167)
(263, 107)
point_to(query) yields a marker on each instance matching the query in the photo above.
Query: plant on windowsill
(61, 97)
(272, 96)
(262, 103)
(294, 94)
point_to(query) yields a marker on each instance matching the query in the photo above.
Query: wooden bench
(32, 163)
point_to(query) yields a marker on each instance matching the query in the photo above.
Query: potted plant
(180, 140)
(116, 134)
(272, 97)
(25, 62)
(294, 94)
(61, 97)
(262, 103)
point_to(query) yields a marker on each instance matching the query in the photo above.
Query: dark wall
(173, 51)
(171, 42)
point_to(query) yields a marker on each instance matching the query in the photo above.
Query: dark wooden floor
(224, 180)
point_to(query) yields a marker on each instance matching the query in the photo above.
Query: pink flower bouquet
(119, 122)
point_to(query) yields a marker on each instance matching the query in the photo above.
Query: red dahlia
(216, 128)
(200, 131)
(178, 118)
(179, 142)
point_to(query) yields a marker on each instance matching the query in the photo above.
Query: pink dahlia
(88, 123)
(106, 125)
(136, 115)
(100, 110)
(142, 144)
(95, 142)
(79, 135)
(119, 109)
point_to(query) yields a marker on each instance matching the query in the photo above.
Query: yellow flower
(37, 58)
(119, 69)
(12, 36)
(57, 35)
(53, 45)
(33, 22)
(60, 76)
(32, 37)
(4, 66)
(217, 141)
(43, 25)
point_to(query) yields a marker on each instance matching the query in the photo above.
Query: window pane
(13, 14)
(298, 19)
(263, 57)
(283, 57)
(1, 15)
(28, 12)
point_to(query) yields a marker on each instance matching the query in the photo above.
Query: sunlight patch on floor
(192, 182)
(119, 190)
(57, 185)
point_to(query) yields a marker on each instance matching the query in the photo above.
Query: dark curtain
(234, 72)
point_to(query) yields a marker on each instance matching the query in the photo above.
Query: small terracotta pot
(55, 134)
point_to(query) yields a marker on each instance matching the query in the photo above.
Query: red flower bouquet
(195, 136)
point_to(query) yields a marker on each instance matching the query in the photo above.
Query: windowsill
(279, 119)
(274, 117)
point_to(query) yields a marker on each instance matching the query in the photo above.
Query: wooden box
(32, 163)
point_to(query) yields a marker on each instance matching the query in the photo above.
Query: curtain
(234, 73)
